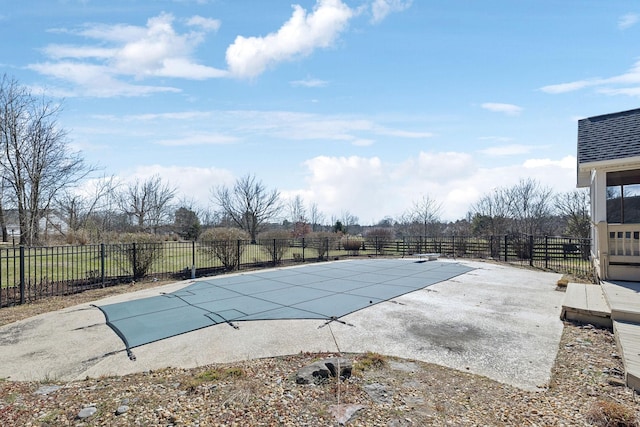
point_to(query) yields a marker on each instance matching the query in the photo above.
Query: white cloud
(207, 24)
(303, 126)
(496, 138)
(371, 188)
(198, 139)
(441, 166)
(192, 182)
(304, 32)
(568, 87)
(345, 183)
(609, 85)
(628, 20)
(309, 83)
(568, 162)
(628, 91)
(404, 133)
(508, 109)
(127, 52)
(381, 8)
(93, 80)
(507, 150)
(180, 115)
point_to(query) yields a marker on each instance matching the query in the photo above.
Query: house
(609, 165)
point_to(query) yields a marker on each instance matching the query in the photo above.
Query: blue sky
(358, 106)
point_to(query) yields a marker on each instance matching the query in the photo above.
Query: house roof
(609, 137)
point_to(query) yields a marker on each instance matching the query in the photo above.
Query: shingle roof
(609, 137)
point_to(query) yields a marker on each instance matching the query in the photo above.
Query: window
(623, 197)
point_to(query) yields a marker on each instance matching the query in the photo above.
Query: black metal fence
(28, 274)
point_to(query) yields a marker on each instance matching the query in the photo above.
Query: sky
(361, 107)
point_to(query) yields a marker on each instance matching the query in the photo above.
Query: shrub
(321, 241)
(607, 413)
(351, 243)
(275, 243)
(370, 361)
(141, 251)
(222, 244)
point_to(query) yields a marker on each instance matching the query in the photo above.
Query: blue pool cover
(314, 291)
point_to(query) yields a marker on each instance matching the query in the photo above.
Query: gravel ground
(585, 389)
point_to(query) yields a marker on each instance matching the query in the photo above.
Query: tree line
(40, 177)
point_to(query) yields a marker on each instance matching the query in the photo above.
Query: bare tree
(348, 221)
(490, 215)
(523, 208)
(530, 206)
(80, 210)
(425, 213)
(316, 218)
(36, 162)
(297, 211)
(148, 202)
(249, 204)
(298, 214)
(573, 206)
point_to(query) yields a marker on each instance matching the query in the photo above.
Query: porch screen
(623, 197)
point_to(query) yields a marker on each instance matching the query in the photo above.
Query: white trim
(611, 165)
(585, 170)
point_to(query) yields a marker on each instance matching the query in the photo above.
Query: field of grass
(88, 263)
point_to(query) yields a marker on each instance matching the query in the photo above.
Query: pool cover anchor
(225, 320)
(335, 319)
(230, 323)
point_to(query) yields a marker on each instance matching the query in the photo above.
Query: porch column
(599, 231)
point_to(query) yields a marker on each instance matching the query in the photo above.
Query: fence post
(238, 253)
(531, 250)
(193, 259)
(491, 252)
(102, 260)
(546, 252)
(275, 256)
(453, 245)
(134, 257)
(506, 259)
(303, 245)
(22, 282)
(326, 241)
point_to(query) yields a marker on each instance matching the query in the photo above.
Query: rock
(343, 413)
(46, 389)
(379, 393)
(87, 411)
(616, 382)
(323, 369)
(122, 409)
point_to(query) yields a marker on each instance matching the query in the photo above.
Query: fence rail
(31, 273)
